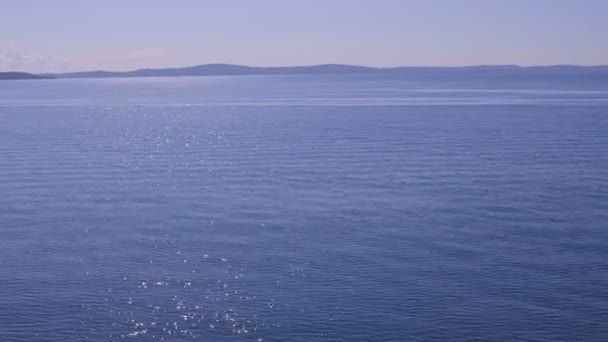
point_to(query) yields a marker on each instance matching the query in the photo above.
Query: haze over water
(304, 208)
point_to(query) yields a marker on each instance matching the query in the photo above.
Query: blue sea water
(304, 208)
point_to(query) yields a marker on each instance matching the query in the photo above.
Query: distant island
(230, 69)
(20, 76)
(239, 70)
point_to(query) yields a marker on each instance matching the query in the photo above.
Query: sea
(304, 208)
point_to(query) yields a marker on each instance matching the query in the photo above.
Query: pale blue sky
(64, 35)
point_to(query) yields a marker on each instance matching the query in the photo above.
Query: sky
(72, 35)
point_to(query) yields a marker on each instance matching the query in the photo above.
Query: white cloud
(14, 59)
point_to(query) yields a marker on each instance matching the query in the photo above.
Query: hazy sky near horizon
(68, 35)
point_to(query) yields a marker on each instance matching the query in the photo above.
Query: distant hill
(222, 69)
(230, 69)
(507, 70)
(599, 72)
(19, 76)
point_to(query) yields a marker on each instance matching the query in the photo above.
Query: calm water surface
(308, 208)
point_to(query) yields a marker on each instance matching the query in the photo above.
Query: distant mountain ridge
(222, 70)
(600, 71)
(19, 76)
(231, 69)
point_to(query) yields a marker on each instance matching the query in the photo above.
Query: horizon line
(316, 65)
